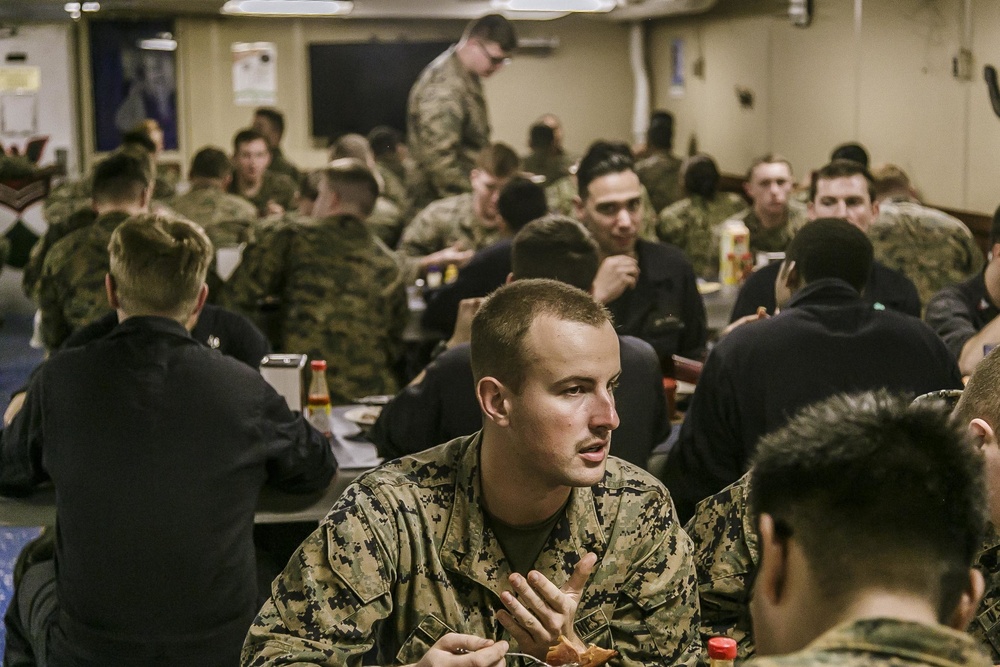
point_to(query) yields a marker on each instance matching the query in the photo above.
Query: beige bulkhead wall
(884, 80)
(586, 80)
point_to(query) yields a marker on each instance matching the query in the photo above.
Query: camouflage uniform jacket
(70, 291)
(727, 555)
(885, 642)
(33, 269)
(552, 166)
(406, 556)
(931, 248)
(339, 298)
(692, 225)
(660, 173)
(386, 221)
(275, 187)
(209, 205)
(560, 196)
(393, 187)
(773, 240)
(66, 199)
(281, 165)
(446, 126)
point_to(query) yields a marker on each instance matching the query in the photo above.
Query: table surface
(355, 454)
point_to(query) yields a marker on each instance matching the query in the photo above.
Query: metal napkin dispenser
(287, 374)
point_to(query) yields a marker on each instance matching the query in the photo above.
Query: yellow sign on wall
(20, 78)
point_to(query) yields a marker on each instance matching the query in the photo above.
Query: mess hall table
(355, 454)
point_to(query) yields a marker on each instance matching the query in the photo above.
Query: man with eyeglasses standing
(649, 287)
(446, 119)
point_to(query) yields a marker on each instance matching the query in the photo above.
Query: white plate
(363, 415)
(684, 388)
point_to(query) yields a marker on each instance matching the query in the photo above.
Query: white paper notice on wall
(18, 114)
(255, 74)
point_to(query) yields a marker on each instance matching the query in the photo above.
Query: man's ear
(510, 278)
(790, 276)
(492, 396)
(772, 573)
(968, 604)
(147, 196)
(982, 432)
(578, 208)
(111, 289)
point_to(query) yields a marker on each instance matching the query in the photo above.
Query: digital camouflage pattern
(66, 199)
(275, 187)
(885, 642)
(548, 165)
(338, 296)
(727, 555)
(281, 165)
(393, 188)
(446, 127)
(561, 194)
(692, 224)
(386, 221)
(776, 239)
(208, 205)
(70, 292)
(931, 248)
(33, 269)
(660, 174)
(406, 556)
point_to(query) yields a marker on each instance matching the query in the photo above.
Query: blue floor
(17, 360)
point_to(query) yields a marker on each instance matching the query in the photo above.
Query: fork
(514, 654)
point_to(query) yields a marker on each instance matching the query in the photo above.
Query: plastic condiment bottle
(721, 652)
(734, 252)
(318, 402)
(450, 274)
(433, 276)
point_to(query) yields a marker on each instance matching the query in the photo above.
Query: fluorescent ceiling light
(288, 7)
(555, 5)
(158, 44)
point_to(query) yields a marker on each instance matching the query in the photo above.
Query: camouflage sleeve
(324, 607)
(36, 258)
(442, 114)
(725, 550)
(670, 228)
(50, 295)
(259, 274)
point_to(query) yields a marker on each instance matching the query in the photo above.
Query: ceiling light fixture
(555, 5)
(163, 41)
(288, 7)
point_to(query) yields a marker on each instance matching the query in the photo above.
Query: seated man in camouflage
(270, 192)
(660, 170)
(207, 202)
(869, 514)
(450, 230)
(773, 217)
(387, 220)
(507, 538)
(727, 549)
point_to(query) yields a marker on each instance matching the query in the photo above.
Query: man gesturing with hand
(505, 539)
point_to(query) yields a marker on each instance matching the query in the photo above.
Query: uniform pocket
(423, 637)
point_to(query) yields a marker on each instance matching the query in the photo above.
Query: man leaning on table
(505, 539)
(158, 447)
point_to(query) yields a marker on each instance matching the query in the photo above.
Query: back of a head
(384, 140)
(851, 151)
(139, 138)
(880, 495)
(601, 159)
(558, 248)
(352, 145)
(541, 137)
(831, 248)
(159, 265)
(309, 184)
(122, 178)
(499, 160)
(502, 323)
(210, 162)
(493, 28)
(701, 176)
(841, 169)
(353, 182)
(661, 130)
(275, 117)
(521, 201)
(889, 179)
(981, 396)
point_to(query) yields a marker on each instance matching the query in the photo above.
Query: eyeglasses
(496, 61)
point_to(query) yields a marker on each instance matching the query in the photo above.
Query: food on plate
(564, 653)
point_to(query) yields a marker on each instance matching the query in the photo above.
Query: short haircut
(493, 28)
(351, 145)
(353, 182)
(841, 169)
(556, 247)
(541, 137)
(701, 176)
(309, 185)
(274, 116)
(995, 228)
(770, 158)
(520, 202)
(889, 178)
(139, 138)
(245, 137)
(602, 158)
(502, 323)
(981, 396)
(499, 160)
(210, 162)
(384, 140)
(158, 264)
(878, 493)
(831, 248)
(122, 178)
(661, 130)
(851, 151)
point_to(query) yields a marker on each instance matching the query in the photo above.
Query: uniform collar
(831, 291)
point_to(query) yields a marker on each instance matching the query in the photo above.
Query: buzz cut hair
(556, 247)
(841, 169)
(492, 28)
(498, 160)
(245, 137)
(210, 162)
(769, 158)
(274, 116)
(981, 397)
(122, 177)
(500, 327)
(353, 182)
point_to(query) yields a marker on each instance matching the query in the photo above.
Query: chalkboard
(357, 86)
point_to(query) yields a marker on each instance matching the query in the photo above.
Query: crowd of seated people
(516, 509)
